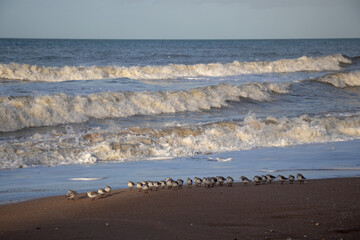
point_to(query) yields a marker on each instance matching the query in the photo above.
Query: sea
(83, 114)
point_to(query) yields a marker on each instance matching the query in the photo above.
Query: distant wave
(55, 74)
(35, 111)
(341, 80)
(135, 143)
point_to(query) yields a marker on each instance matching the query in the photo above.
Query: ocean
(84, 114)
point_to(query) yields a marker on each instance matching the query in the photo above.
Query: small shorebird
(213, 181)
(197, 181)
(162, 184)
(150, 184)
(245, 180)
(270, 178)
(169, 183)
(175, 185)
(257, 180)
(180, 183)
(92, 195)
(264, 179)
(220, 180)
(281, 178)
(300, 177)
(145, 188)
(139, 186)
(207, 182)
(156, 185)
(189, 182)
(101, 192)
(71, 194)
(291, 179)
(131, 185)
(108, 190)
(229, 181)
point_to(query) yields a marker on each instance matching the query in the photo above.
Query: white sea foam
(341, 80)
(171, 71)
(21, 112)
(149, 143)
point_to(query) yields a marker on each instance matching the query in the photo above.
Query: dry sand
(318, 209)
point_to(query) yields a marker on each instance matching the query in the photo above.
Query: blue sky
(180, 19)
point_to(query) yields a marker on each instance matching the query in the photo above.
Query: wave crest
(21, 112)
(56, 74)
(341, 80)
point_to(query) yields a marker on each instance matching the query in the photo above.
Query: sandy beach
(318, 209)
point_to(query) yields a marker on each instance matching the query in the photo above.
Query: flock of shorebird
(208, 182)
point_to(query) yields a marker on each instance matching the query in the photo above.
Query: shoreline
(318, 209)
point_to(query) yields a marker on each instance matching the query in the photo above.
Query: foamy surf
(341, 80)
(136, 143)
(36, 111)
(56, 74)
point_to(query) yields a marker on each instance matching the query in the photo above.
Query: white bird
(189, 182)
(180, 183)
(229, 181)
(220, 180)
(257, 180)
(139, 186)
(108, 190)
(163, 184)
(291, 179)
(175, 185)
(301, 178)
(245, 180)
(213, 181)
(92, 195)
(264, 179)
(197, 181)
(131, 185)
(71, 194)
(281, 178)
(145, 188)
(207, 182)
(156, 185)
(101, 192)
(169, 183)
(270, 178)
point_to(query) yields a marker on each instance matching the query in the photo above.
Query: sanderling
(101, 192)
(163, 184)
(197, 181)
(175, 185)
(145, 188)
(213, 181)
(245, 180)
(139, 186)
(291, 178)
(71, 194)
(281, 178)
(220, 180)
(300, 177)
(207, 182)
(108, 190)
(92, 195)
(257, 180)
(169, 183)
(150, 184)
(131, 185)
(180, 183)
(156, 185)
(189, 182)
(264, 179)
(229, 181)
(270, 178)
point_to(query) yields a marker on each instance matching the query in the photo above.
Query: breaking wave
(114, 144)
(341, 80)
(171, 71)
(29, 111)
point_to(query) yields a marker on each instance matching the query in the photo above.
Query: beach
(317, 209)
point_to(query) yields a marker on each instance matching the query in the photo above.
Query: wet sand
(318, 209)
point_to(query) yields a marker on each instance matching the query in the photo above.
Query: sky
(180, 19)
